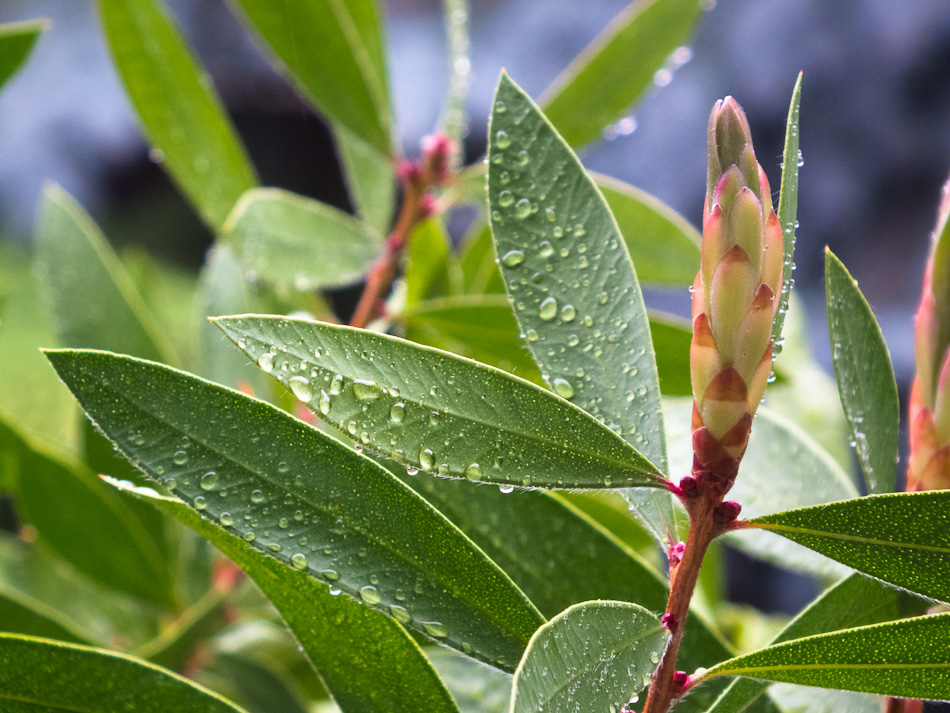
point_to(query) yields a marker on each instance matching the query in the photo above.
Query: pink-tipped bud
(929, 463)
(734, 298)
(437, 149)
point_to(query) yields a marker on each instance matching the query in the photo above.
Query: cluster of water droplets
(564, 265)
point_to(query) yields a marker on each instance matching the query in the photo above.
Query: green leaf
(369, 178)
(428, 258)
(299, 243)
(180, 113)
(788, 208)
(823, 700)
(177, 641)
(223, 289)
(900, 538)
(39, 675)
(593, 656)
(572, 285)
(476, 689)
(480, 272)
(16, 43)
(83, 521)
(367, 661)
(782, 467)
(662, 243)
(865, 376)
(333, 51)
(854, 601)
(671, 339)
(908, 658)
(259, 684)
(21, 614)
(596, 565)
(568, 275)
(277, 481)
(614, 70)
(438, 412)
(96, 306)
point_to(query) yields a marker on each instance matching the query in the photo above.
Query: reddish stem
(683, 575)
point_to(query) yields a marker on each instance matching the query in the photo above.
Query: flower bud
(929, 462)
(735, 297)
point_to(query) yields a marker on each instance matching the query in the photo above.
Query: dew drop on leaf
(299, 561)
(301, 388)
(473, 471)
(370, 595)
(266, 362)
(502, 140)
(513, 258)
(563, 388)
(548, 309)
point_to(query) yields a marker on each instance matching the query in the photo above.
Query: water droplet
(545, 249)
(506, 488)
(548, 309)
(299, 561)
(257, 497)
(500, 107)
(435, 629)
(180, 458)
(370, 595)
(502, 140)
(655, 656)
(365, 390)
(505, 198)
(563, 388)
(523, 158)
(301, 388)
(226, 519)
(400, 614)
(397, 413)
(550, 214)
(336, 385)
(523, 208)
(273, 546)
(473, 472)
(200, 503)
(209, 480)
(324, 405)
(249, 537)
(568, 313)
(513, 258)
(266, 362)
(531, 335)
(427, 458)
(573, 340)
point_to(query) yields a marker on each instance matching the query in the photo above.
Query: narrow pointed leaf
(782, 467)
(21, 614)
(865, 377)
(94, 301)
(788, 209)
(428, 262)
(181, 114)
(569, 276)
(16, 43)
(900, 538)
(663, 244)
(596, 565)
(436, 411)
(367, 661)
(590, 657)
(83, 521)
(616, 69)
(854, 601)
(332, 51)
(39, 675)
(299, 243)
(909, 658)
(277, 481)
(223, 289)
(370, 179)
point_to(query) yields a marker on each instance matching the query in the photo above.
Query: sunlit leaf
(16, 43)
(590, 657)
(367, 661)
(437, 412)
(299, 243)
(865, 376)
(907, 658)
(39, 675)
(613, 71)
(275, 481)
(900, 538)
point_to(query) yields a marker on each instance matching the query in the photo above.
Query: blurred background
(875, 124)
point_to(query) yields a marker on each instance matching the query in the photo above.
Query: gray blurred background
(875, 122)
